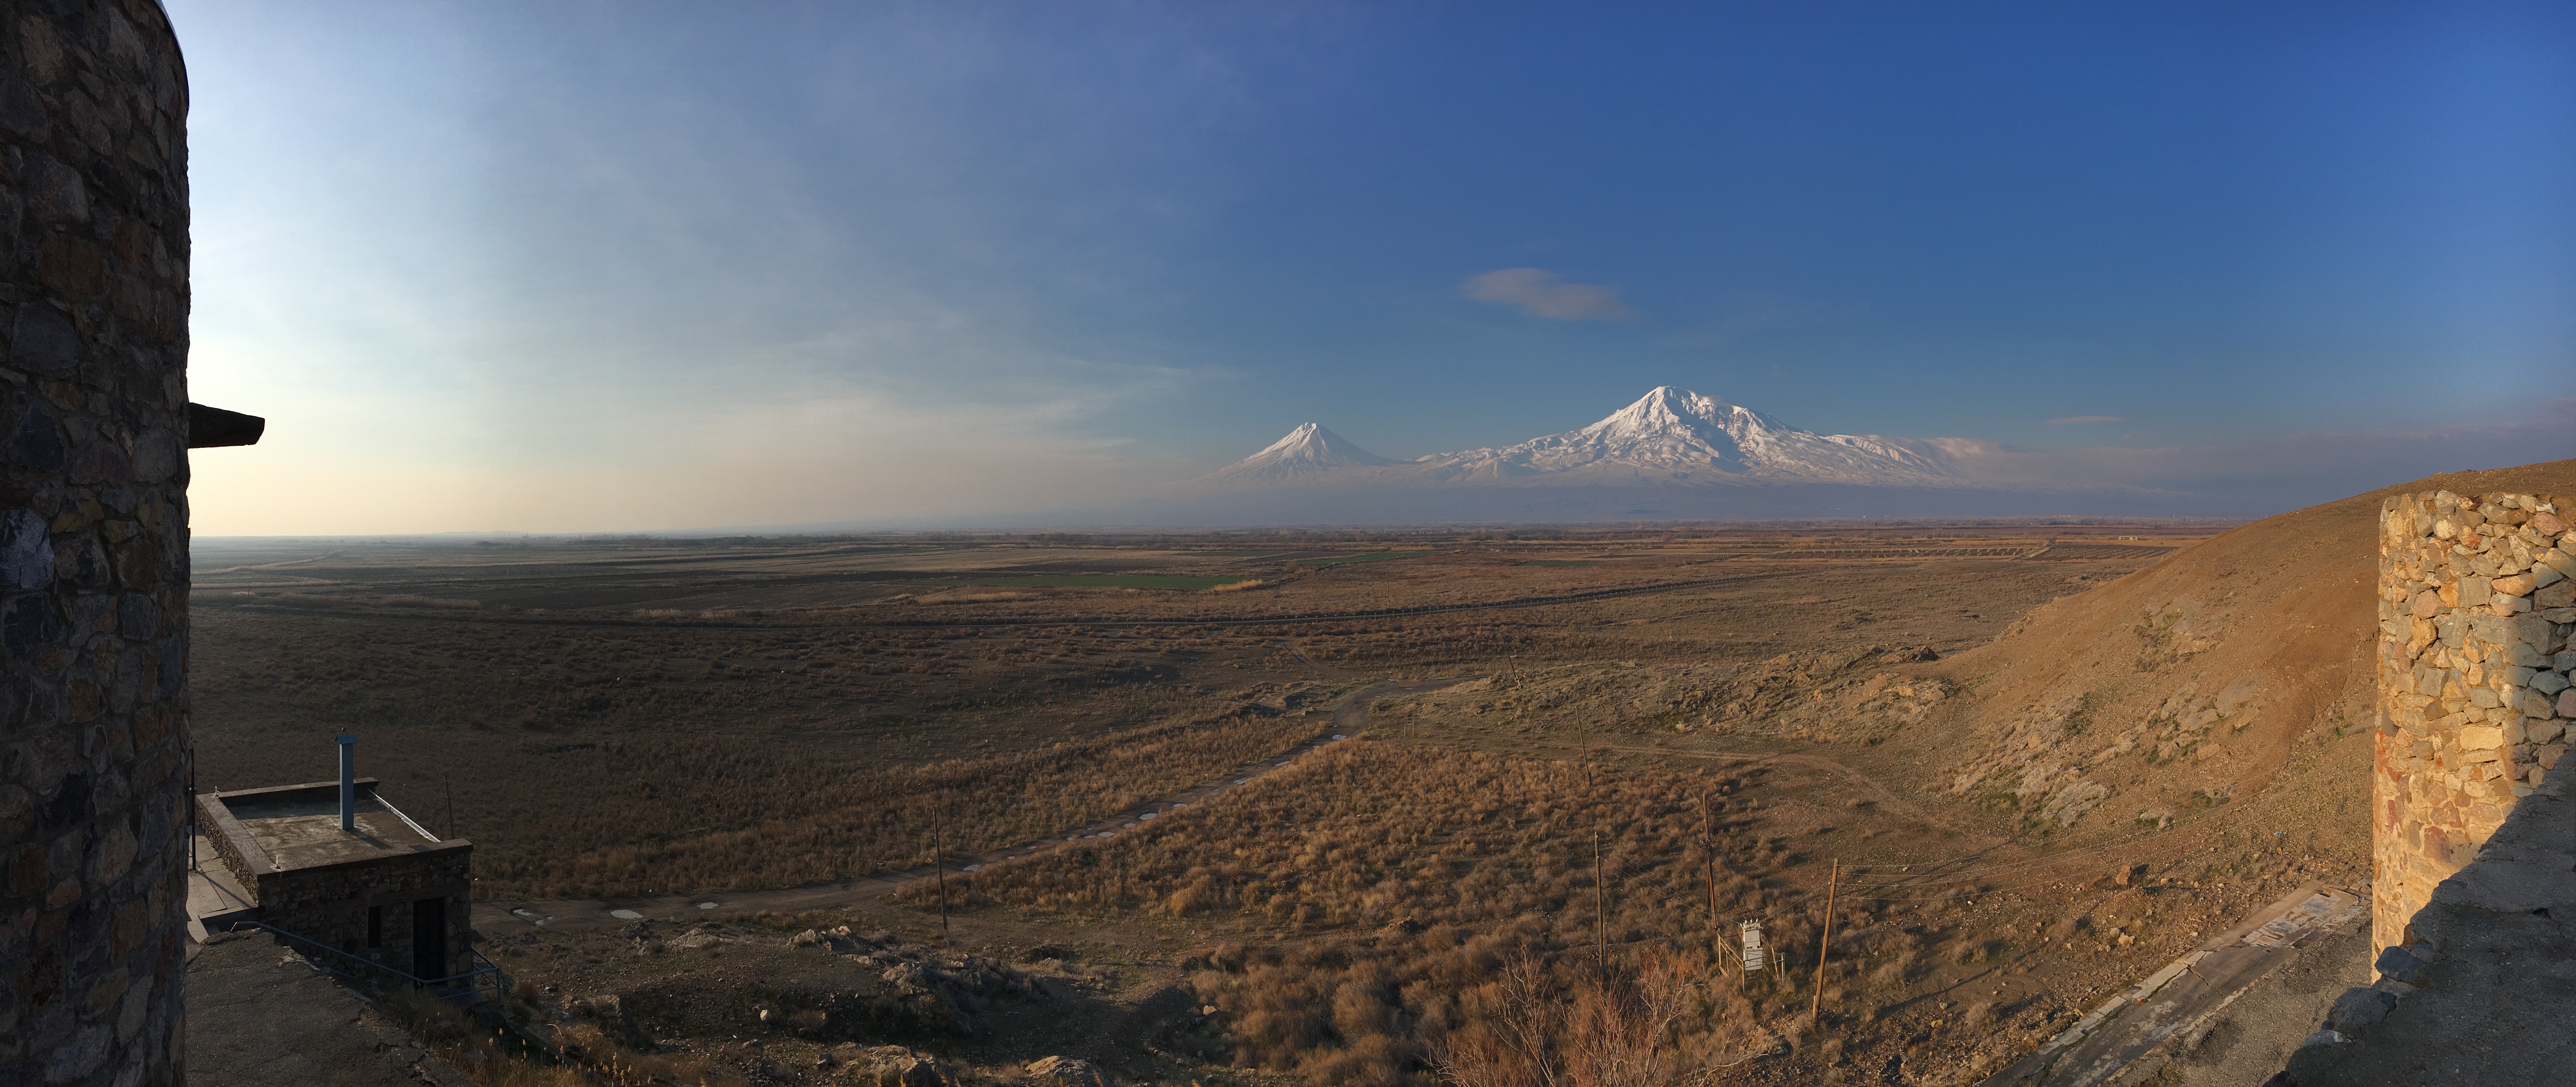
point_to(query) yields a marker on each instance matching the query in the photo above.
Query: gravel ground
(258, 1015)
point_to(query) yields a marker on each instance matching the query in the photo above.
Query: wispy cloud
(2084, 419)
(1539, 293)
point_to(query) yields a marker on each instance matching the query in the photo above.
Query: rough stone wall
(233, 847)
(2475, 608)
(93, 542)
(2484, 989)
(329, 904)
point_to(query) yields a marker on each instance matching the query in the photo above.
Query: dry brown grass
(792, 824)
(1408, 882)
(724, 716)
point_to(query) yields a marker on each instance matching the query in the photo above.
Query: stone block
(2399, 964)
(2358, 1008)
(2516, 585)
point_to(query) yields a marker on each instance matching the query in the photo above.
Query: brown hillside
(2192, 680)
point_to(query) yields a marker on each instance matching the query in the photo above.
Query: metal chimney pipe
(349, 781)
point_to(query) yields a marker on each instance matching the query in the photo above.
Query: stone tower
(2477, 594)
(93, 542)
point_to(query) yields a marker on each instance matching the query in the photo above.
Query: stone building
(2474, 875)
(2477, 594)
(331, 865)
(94, 427)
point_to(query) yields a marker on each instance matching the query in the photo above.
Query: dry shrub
(1366, 835)
(1462, 888)
(1478, 1011)
(1238, 586)
(455, 1037)
(1657, 1025)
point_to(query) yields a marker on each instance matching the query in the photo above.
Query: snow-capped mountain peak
(1675, 435)
(1307, 452)
(1668, 437)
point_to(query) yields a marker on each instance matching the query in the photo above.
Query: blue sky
(595, 266)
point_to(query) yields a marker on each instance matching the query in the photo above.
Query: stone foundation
(2477, 594)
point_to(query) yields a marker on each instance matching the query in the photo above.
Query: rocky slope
(2191, 681)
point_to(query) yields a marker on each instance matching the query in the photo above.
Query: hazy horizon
(657, 267)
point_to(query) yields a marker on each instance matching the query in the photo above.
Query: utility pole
(1708, 843)
(1826, 942)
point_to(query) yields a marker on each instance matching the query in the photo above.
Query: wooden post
(939, 870)
(1826, 941)
(1600, 923)
(1708, 843)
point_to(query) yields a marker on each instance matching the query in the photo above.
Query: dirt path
(508, 918)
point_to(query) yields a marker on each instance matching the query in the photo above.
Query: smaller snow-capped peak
(1308, 451)
(1310, 443)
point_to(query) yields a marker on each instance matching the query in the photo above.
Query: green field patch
(1555, 562)
(1192, 582)
(1373, 556)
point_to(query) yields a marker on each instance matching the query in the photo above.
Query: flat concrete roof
(298, 826)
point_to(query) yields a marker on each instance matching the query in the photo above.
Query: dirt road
(508, 918)
(477, 616)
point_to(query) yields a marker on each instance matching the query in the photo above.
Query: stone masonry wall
(330, 904)
(93, 542)
(2477, 594)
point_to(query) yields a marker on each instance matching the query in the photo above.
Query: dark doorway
(429, 939)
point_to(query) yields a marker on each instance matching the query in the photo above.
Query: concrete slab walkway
(2171, 1001)
(259, 1015)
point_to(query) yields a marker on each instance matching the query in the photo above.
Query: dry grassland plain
(1728, 717)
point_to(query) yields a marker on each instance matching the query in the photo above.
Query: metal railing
(464, 980)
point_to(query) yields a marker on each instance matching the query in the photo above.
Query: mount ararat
(1669, 437)
(1674, 454)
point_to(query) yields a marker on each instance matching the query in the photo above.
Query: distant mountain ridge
(1672, 455)
(1669, 437)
